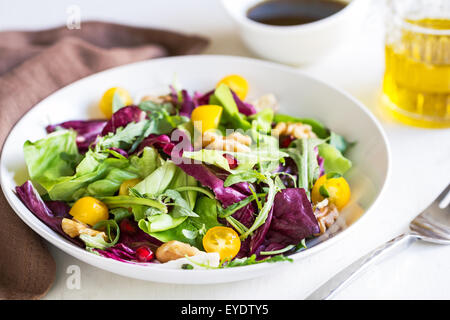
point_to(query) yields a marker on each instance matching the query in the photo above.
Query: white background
(420, 166)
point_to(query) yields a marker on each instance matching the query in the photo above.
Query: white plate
(298, 94)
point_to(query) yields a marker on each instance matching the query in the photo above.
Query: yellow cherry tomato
(236, 83)
(206, 117)
(89, 211)
(331, 186)
(106, 103)
(123, 191)
(223, 240)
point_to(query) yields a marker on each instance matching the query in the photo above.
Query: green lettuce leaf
(263, 120)
(158, 181)
(185, 232)
(160, 222)
(99, 176)
(222, 96)
(334, 161)
(53, 158)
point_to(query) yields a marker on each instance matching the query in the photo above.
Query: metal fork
(432, 225)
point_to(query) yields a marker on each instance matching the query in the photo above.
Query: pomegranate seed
(144, 254)
(285, 142)
(127, 227)
(232, 162)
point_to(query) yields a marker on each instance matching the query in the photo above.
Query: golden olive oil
(417, 79)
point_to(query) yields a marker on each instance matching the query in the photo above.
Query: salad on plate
(188, 180)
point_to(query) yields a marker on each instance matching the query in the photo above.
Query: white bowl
(298, 94)
(301, 44)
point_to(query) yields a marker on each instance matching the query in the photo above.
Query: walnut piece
(157, 99)
(326, 216)
(234, 142)
(297, 130)
(173, 250)
(74, 228)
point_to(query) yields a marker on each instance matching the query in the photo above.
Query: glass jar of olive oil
(416, 87)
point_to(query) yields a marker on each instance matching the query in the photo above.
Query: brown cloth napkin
(32, 66)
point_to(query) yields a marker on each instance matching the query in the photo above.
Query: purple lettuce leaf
(293, 218)
(119, 252)
(243, 107)
(87, 131)
(59, 209)
(33, 201)
(122, 117)
(290, 167)
(202, 99)
(187, 105)
(260, 234)
(321, 162)
(160, 142)
(242, 187)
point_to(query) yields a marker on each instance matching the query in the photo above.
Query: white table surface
(420, 167)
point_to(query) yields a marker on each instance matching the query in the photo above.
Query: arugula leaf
(97, 241)
(249, 176)
(230, 210)
(283, 250)
(124, 137)
(252, 260)
(263, 213)
(236, 224)
(207, 193)
(301, 246)
(304, 156)
(183, 180)
(128, 201)
(181, 207)
(246, 160)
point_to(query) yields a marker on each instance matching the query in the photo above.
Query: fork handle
(346, 276)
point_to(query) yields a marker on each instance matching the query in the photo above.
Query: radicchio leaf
(87, 131)
(293, 218)
(32, 200)
(122, 117)
(119, 252)
(243, 107)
